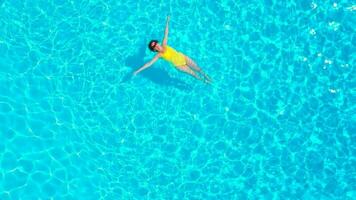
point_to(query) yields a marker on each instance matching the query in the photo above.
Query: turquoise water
(278, 122)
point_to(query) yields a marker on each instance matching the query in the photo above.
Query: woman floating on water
(179, 60)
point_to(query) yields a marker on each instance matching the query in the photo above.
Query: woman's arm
(164, 43)
(154, 59)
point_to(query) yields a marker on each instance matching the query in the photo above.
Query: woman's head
(154, 46)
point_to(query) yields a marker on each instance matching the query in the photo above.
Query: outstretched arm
(154, 59)
(164, 43)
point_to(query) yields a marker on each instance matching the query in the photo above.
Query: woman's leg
(189, 71)
(194, 66)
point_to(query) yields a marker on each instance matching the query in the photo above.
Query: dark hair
(152, 45)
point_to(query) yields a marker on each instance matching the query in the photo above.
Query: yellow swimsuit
(173, 56)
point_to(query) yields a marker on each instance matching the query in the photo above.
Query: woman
(179, 60)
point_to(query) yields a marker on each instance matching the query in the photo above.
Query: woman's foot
(207, 81)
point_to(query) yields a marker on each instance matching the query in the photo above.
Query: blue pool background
(278, 122)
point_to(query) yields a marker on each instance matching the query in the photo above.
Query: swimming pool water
(278, 122)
